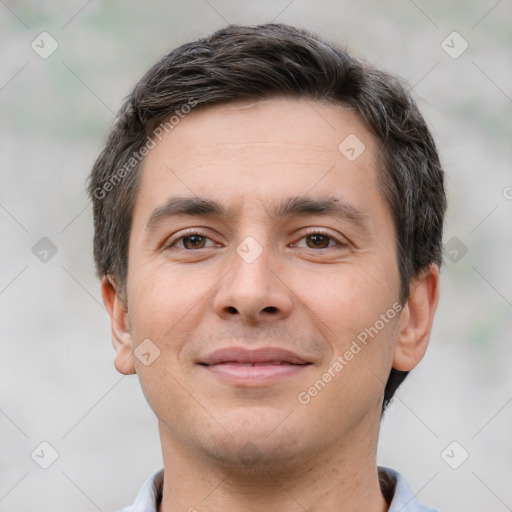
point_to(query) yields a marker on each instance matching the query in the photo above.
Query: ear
(416, 319)
(121, 336)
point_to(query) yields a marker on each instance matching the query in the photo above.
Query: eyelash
(309, 232)
(320, 231)
(190, 232)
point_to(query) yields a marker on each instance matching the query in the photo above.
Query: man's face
(294, 250)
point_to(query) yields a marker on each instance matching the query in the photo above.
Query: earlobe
(120, 329)
(416, 320)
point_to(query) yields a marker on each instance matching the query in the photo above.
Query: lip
(257, 356)
(263, 366)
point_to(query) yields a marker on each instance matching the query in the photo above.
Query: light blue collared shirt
(403, 499)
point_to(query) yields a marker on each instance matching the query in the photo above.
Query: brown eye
(191, 241)
(317, 241)
(194, 242)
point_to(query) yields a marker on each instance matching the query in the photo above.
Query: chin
(254, 458)
(254, 440)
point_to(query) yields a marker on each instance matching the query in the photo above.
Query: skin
(237, 447)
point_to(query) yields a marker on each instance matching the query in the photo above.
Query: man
(268, 220)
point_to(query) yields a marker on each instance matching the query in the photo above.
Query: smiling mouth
(266, 363)
(238, 354)
(243, 367)
(254, 374)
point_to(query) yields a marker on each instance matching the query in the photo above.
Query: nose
(253, 292)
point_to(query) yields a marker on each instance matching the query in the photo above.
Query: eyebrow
(334, 206)
(298, 205)
(193, 206)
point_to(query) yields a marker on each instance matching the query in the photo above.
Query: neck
(343, 480)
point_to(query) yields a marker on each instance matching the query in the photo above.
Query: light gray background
(58, 380)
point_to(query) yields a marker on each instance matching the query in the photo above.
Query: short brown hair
(256, 62)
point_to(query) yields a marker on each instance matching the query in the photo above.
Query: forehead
(319, 126)
(262, 150)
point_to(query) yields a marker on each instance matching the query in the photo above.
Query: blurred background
(65, 69)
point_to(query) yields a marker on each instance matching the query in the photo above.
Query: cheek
(162, 298)
(363, 325)
(359, 318)
(163, 305)
(350, 298)
(168, 306)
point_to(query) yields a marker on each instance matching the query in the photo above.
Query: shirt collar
(149, 496)
(404, 500)
(394, 488)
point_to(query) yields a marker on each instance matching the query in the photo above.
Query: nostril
(232, 310)
(270, 309)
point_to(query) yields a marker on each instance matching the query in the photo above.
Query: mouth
(264, 366)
